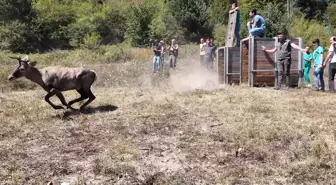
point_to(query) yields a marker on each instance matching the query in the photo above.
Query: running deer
(56, 79)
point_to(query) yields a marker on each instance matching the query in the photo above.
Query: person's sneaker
(276, 88)
(309, 85)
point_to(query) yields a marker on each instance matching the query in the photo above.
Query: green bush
(220, 34)
(309, 30)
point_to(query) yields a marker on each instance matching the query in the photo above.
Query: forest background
(46, 25)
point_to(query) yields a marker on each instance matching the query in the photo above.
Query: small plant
(91, 41)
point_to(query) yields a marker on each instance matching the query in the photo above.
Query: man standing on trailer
(235, 8)
(283, 59)
(256, 26)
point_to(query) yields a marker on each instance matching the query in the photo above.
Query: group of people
(207, 53)
(159, 53)
(311, 57)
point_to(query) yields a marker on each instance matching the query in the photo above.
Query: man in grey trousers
(173, 52)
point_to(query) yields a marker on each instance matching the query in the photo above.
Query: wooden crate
(220, 65)
(228, 62)
(232, 65)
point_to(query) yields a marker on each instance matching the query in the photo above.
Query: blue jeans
(237, 34)
(156, 63)
(161, 63)
(318, 77)
(257, 31)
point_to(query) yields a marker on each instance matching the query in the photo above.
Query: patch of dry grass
(177, 127)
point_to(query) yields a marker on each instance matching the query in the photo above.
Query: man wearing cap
(332, 66)
(283, 58)
(173, 52)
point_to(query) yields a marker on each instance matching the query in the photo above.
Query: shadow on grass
(89, 110)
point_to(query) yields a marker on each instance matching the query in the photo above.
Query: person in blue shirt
(318, 60)
(256, 26)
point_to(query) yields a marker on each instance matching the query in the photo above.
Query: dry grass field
(177, 127)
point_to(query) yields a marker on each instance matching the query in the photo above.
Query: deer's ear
(33, 63)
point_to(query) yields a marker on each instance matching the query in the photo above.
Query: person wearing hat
(283, 58)
(318, 59)
(331, 57)
(173, 52)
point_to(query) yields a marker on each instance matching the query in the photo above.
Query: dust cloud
(194, 76)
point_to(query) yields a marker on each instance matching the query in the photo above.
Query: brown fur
(56, 79)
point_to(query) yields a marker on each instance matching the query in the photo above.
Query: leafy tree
(313, 9)
(192, 16)
(309, 30)
(275, 18)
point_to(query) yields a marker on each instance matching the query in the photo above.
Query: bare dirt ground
(178, 127)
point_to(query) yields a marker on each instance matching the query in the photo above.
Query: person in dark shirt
(157, 55)
(283, 58)
(208, 56)
(161, 63)
(173, 52)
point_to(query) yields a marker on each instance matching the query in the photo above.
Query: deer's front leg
(62, 99)
(51, 93)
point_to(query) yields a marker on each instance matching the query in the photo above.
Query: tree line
(44, 25)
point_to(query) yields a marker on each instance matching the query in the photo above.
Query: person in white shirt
(332, 66)
(202, 52)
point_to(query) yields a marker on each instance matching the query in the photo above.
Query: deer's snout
(11, 77)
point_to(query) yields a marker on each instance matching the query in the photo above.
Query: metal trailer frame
(251, 57)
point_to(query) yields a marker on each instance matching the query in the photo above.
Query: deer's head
(23, 68)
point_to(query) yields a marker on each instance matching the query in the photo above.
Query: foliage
(331, 17)
(309, 30)
(219, 34)
(44, 25)
(192, 15)
(275, 19)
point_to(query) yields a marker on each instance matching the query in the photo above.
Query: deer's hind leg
(91, 97)
(82, 97)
